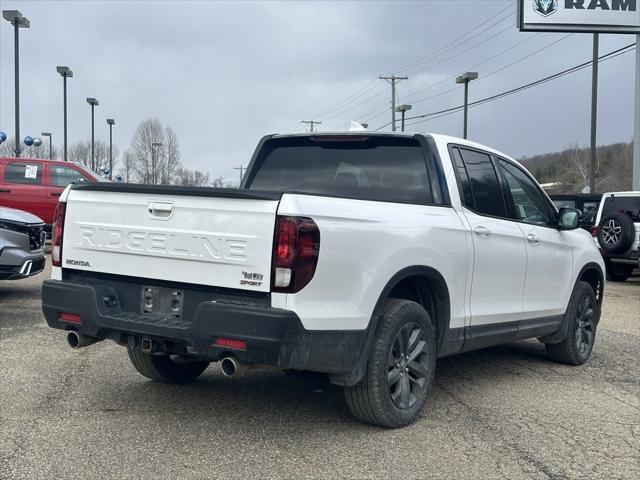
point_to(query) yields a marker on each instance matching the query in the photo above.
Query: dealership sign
(606, 16)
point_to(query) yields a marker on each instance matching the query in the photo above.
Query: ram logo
(545, 7)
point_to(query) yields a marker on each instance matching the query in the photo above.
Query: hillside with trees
(569, 169)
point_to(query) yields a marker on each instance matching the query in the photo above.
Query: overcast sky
(223, 74)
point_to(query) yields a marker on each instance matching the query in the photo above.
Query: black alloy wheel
(408, 366)
(585, 327)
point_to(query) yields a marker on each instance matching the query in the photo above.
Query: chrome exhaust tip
(77, 340)
(232, 367)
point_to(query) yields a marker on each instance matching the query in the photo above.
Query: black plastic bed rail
(178, 190)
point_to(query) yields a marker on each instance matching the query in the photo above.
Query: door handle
(160, 209)
(55, 194)
(482, 231)
(5, 190)
(533, 238)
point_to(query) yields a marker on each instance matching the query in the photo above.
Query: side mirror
(568, 219)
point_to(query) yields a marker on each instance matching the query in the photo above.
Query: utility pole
(393, 80)
(65, 72)
(464, 79)
(242, 169)
(636, 129)
(111, 122)
(93, 102)
(403, 109)
(594, 113)
(311, 123)
(18, 21)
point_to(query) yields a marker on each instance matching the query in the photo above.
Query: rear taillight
(594, 231)
(57, 232)
(295, 253)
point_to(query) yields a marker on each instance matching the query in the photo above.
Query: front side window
(531, 206)
(62, 176)
(485, 187)
(23, 173)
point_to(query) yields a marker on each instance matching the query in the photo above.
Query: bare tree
(80, 152)
(127, 169)
(221, 182)
(192, 178)
(155, 153)
(581, 159)
(8, 146)
(171, 150)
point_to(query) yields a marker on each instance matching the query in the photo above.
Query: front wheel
(582, 317)
(400, 368)
(165, 368)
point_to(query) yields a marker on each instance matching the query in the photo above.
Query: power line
(369, 87)
(449, 45)
(311, 123)
(349, 99)
(479, 44)
(483, 77)
(569, 71)
(472, 67)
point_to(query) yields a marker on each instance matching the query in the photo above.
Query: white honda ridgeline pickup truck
(365, 256)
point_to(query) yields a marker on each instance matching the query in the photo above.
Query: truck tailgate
(221, 238)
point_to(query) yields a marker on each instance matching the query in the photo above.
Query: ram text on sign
(615, 16)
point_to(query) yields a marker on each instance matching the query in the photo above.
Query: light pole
(18, 21)
(153, 160)
(403, 109)
(465, 79)
(65, 72)
(111, 122)
(93, 102)
(48, 134)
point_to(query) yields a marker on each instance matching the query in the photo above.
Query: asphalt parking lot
(503, 412)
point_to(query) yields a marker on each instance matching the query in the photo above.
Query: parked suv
(586, 203)
(34, 185)
(22, 240)
(365, 256)
(618, 233)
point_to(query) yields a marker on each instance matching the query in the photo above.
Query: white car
(365, 256)
(617, 233)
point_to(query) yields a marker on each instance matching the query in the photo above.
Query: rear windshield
(366, 168)
(629, 205)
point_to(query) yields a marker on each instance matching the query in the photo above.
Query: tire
(582, 317)
(617, 272)
(616, 232)
(163, 368)
(385, 397)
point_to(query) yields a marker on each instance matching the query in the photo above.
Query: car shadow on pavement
(269, 396)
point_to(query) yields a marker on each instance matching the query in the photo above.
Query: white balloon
(37, 142)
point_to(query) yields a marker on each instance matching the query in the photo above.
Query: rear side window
(463, 179)
(485, 187)
(23, 173)
(628, 205)
(366, 168)
(62, 176)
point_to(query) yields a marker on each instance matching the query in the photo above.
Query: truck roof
(439, 138)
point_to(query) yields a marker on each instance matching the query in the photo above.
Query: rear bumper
(273, 336)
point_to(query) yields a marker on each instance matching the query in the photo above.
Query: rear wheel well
(430, 291)
(594, 278)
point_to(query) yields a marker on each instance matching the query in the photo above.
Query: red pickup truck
(34, 185)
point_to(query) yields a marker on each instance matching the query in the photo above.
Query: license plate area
(162, 301)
